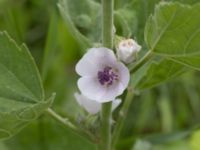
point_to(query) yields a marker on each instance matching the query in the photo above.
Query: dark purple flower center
(107, 76)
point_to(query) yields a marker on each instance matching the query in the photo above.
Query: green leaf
(46, 134)
(143, 10)
(174, 29)
(189, 61)
(155, 73)
(82, 20)
(125, 22)
(21, 92)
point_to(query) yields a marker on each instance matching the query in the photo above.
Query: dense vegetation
(161, 116)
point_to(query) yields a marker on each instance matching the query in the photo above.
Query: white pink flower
(103, 77)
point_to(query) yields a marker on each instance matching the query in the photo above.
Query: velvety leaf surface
(156, 73)
(174, 29)
(190, 61)
(21, 92)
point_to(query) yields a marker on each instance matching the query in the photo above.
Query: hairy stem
(106, 116)
(107, 23)
(122, 114)
(62, 120)
(68, 124)
(107, 37)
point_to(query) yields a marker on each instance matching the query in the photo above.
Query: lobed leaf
(174, 30)
(21, 91)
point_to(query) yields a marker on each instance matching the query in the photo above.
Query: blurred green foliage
(165, 118)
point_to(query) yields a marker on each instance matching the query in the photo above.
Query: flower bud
(127, 50)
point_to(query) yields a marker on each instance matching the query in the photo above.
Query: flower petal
(89, 105)
(91, 88)
(94, 60)
(124, 75)
(112, 92)
(116, 103)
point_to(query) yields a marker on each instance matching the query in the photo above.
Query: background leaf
(78, 15)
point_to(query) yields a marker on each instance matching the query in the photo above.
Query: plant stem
(106, 116)
(107, 38)
(122, 114)
(142, 61)
(107, 22)
(68, 124)
(60, 119)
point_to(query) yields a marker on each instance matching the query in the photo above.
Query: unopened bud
(127, 50)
